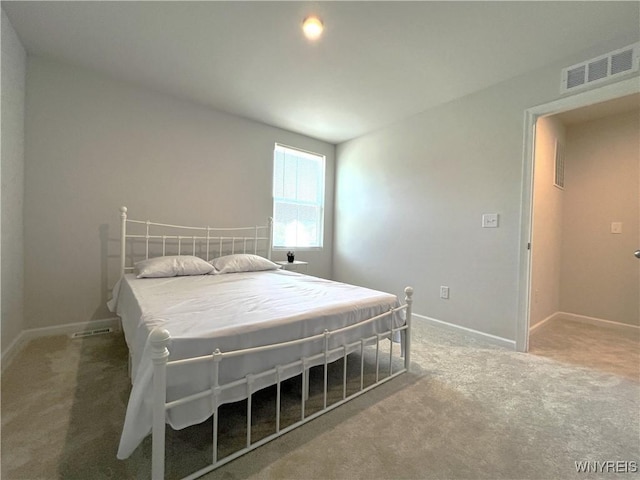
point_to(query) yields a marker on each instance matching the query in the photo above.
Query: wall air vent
(558, 179)
(606, 67)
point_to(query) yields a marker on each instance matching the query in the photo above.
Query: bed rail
(160, 339)
(205, 242)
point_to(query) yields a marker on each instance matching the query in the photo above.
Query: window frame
(320, 205)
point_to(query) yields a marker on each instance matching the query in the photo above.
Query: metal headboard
(161, 239)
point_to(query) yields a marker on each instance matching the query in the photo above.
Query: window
(298, 198)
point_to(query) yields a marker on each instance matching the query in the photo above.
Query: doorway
(575, 103)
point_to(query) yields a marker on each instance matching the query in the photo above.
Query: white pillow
(242, 262)
(172, 266)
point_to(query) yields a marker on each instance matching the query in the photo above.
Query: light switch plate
(616, 227)
(490, 220)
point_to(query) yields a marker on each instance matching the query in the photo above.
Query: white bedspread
(231, 312)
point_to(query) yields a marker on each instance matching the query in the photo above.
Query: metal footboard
(160, 339)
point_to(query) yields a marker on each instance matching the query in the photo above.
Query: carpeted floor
(467, 410)
(608, 348)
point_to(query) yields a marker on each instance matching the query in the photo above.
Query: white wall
(14, 61)
(94, 144)
(600, 275)
(409, 201)
(546, 238)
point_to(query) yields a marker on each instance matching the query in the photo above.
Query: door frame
(531, 115)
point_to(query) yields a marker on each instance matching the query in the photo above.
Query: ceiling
(377, 62)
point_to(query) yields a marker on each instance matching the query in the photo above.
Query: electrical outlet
(616, 227)
(444, 292)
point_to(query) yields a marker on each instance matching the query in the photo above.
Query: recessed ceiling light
(312, 27)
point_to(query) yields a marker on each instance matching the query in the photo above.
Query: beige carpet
(467, 410)
(607, 348)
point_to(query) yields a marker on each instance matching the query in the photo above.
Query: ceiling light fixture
(312, 27)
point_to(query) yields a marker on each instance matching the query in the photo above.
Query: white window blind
(298, 198)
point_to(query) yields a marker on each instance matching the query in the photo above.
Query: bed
(213, 321)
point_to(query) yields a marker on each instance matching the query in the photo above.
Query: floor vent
(90, 333)
(613, 64)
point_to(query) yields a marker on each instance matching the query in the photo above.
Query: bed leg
(407, 333)
(160, 354)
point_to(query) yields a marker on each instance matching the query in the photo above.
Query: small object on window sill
(291, 256)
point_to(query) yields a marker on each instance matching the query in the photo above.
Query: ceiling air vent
(599, 69)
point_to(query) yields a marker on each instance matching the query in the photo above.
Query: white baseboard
(544, 321)
(493, 339)
(595, 321)
(564, 316)
(67, 329)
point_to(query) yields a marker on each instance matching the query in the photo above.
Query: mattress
(231, 312)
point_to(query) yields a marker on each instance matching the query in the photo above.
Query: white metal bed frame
(160, 339)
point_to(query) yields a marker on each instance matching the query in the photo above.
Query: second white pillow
(242, 262)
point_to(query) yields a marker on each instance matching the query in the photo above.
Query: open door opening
(539, 303)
